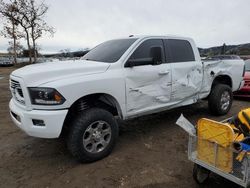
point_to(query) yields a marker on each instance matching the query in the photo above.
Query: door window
(144, 50)
(179, 50)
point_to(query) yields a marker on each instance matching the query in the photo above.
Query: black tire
(200, 174)
(79, 129)
(215, 103)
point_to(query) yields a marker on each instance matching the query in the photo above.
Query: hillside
(241, 49)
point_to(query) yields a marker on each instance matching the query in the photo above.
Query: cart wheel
(200, 174)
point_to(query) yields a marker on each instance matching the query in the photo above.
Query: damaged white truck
(123, 78)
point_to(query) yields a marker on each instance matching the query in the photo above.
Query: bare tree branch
(29, 14)
(10, 29)
(38, 25)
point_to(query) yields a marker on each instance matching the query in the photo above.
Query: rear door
(186, 70)
(147, 86)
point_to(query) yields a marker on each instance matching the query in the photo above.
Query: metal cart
(222, 161)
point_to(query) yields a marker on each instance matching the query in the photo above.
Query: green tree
(223, 49)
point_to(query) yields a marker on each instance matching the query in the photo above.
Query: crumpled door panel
(187, 80)
(146, 87)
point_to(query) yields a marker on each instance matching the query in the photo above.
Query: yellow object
(210, 132)
(240, 156)
(244, 117)
(238, 137)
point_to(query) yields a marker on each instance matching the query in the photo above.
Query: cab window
(179, 50)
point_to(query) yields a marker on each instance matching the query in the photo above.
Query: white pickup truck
(122, 78)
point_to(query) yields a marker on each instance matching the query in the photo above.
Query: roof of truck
(161, 36)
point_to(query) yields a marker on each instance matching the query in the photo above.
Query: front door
(148, 86)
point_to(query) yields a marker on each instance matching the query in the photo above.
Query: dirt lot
(151, 152)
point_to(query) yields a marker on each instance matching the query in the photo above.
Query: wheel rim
(225, 100)
(97, 136)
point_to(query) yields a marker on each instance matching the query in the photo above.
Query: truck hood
(37, 74)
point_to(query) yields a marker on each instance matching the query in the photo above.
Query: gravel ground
(151, 152)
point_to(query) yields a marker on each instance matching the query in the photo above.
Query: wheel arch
(100, 100)
(223, 79)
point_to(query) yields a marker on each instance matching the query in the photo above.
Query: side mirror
(156, 54)
(139, 62)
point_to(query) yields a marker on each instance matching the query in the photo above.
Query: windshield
(247, 63)
(110, 51)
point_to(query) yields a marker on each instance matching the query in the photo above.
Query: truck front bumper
(38, 123)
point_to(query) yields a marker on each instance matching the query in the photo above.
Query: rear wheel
(93, 135)
(220, 99)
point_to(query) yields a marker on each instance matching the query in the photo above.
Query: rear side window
(180, 50)
(143, 51)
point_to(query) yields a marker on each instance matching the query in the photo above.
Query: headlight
(45, 96)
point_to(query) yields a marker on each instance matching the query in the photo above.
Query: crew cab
(121, 78)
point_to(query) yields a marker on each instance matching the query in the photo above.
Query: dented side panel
(186, 80)
(149, 90)
(212, 69)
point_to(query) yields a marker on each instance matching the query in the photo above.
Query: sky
(83, 24)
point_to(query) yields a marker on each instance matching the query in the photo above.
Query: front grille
(14, 84)
(20, 92)
(17, 91)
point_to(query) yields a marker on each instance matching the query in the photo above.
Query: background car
(245, 90)
(223, 57)
(6, 62)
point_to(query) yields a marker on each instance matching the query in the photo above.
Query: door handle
(163, 72)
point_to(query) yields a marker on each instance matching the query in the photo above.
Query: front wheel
(220, 99)
(93, 135)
